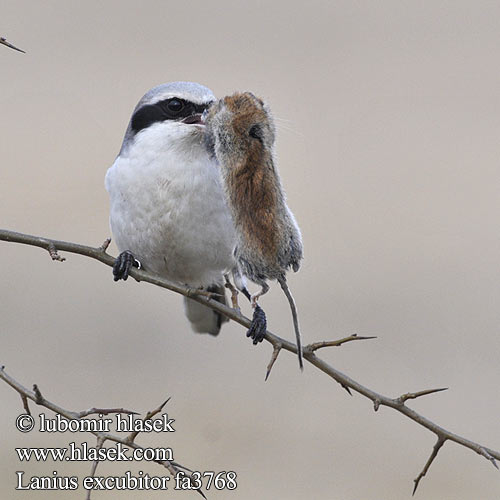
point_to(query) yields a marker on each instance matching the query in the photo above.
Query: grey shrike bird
(168, 211)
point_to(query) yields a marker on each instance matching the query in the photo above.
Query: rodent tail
(284, 286)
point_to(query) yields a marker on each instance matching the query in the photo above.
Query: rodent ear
(258, 99)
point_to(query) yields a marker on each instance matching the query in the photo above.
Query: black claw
(123, 263)
(258, 327)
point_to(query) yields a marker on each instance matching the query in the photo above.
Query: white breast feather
(168, 208)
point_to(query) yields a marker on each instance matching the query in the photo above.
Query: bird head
(169, 115)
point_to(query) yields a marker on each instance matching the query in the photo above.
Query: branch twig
(415, 395)
(100, 442)
(278, 343)
(274, 357)
(434, 453)
(36, 396)
(7, 44)
(334, 343)
(149, 415)
(105, 411)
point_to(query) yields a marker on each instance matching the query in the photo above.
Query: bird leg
(255, 297)
(123, 263)
(258, 327)
(234, 294)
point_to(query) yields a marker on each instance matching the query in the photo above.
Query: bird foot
(258, 327)
(123, 263)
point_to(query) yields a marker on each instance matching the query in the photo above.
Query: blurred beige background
(388, 146)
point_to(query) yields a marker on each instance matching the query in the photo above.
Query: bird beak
(195, 119)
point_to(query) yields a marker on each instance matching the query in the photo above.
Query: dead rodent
(241, 133)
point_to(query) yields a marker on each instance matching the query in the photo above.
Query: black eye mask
(168, 109)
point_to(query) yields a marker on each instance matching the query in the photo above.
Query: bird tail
(284, 286)
(202, 318)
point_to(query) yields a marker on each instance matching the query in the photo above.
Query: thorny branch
(36, 396)
(7, 44)
(336, 343)
(278, 343)
(100, 442)
(434, 453)
(149, 415)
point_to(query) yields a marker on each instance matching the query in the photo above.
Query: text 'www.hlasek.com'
(125, 451)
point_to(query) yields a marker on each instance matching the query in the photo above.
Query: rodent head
(239, 129)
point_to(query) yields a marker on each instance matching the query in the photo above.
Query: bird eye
(255, 132)
(175, 105)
